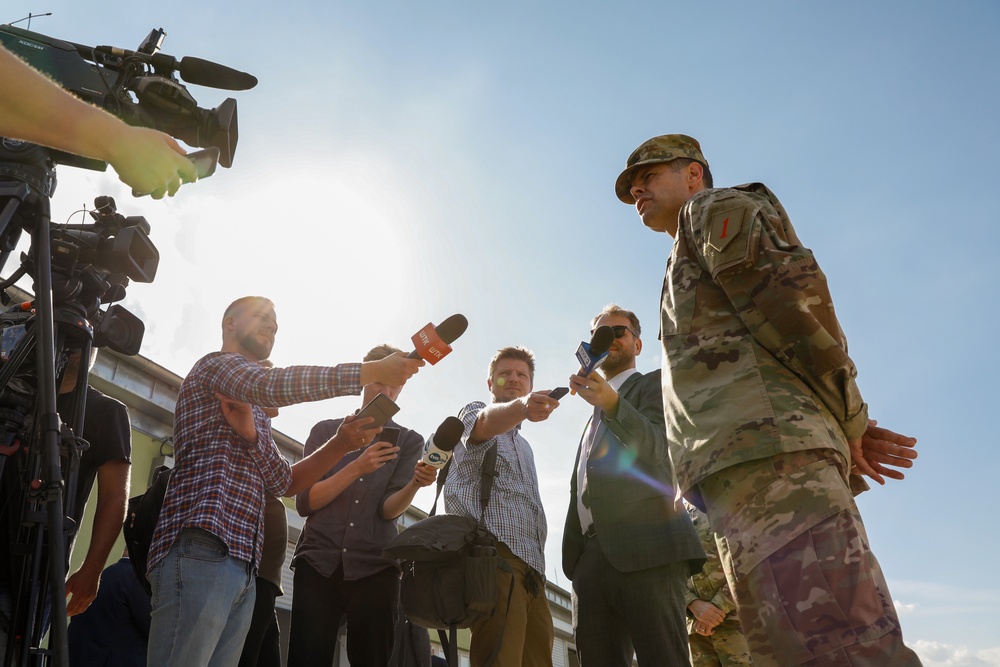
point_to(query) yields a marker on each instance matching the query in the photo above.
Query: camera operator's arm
(33, 108)
(112, 497)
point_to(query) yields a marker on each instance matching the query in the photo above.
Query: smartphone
(205, 161)
(558, 392)
(389, 434)
(381, 408)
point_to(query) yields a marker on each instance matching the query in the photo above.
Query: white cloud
(904, 608)
(937, 654)
(935, 598)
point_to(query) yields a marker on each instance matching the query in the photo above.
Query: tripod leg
(49, 427)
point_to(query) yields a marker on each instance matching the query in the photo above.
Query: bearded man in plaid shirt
(208, 541)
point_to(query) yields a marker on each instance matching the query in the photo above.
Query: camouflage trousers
(807, 587)
(726, 647)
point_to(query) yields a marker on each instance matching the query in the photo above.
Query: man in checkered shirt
(520, 633)
(208, 541)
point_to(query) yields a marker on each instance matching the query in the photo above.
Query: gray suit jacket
(631, 491)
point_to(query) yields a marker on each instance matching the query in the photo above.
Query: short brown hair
(682, 162)
(381, 352)
(514, 352)
(242, 302)
(615, 309)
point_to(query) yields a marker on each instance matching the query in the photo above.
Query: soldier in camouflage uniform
(767, 429)
(715, 636)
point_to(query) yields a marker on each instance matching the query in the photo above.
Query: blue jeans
(202, 603)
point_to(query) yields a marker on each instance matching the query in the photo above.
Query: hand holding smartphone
(389, 434)
(558, 392)
(381, 408)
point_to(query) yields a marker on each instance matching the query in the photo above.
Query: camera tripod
(39, 471)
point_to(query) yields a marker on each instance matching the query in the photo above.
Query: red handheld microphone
(432, 344)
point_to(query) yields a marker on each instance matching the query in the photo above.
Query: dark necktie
(595, 423)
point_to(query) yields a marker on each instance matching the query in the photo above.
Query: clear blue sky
(403, 161)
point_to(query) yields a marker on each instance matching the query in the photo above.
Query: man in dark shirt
(114, 629)
(351, 517)
(107, 460)
(106, 427)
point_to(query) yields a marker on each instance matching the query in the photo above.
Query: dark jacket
(631, 491)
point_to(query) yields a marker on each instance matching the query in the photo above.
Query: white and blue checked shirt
(514, 513)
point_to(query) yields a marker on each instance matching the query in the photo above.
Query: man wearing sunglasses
(767, 428)
(628, 547)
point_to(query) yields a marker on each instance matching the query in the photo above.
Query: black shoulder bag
(450, 566)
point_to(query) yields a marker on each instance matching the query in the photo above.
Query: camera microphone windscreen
(432, 343)
(198, 71)
(206, 73)
(593, 354)
(438, 448)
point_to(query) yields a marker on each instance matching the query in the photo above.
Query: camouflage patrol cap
(658, 149)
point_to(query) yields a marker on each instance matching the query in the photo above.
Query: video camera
(138, 86)
(92, 265)
(141, 88)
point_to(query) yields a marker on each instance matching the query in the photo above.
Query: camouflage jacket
(755, 361)
(710, 584)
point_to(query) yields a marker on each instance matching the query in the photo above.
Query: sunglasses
(619, 331)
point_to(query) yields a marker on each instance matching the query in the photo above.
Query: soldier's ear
(695, 173)
(638, 346)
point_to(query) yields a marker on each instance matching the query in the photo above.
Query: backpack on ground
(140, 523)
(450, 565)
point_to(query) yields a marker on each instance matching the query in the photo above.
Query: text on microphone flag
(429, 345)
